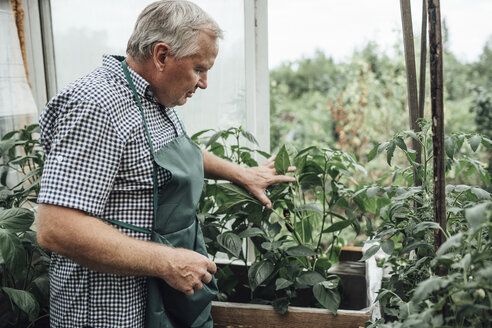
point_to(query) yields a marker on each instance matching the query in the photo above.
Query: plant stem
(324, 210)
(238, 150)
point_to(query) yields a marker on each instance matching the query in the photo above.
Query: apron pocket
(191, 311)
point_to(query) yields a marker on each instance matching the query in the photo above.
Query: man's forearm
(218, 168)
(96, 245)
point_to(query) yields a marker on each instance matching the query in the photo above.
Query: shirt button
(59, 159)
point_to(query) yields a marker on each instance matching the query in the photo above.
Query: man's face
(180, 78)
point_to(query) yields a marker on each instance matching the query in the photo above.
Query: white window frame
(40, 57)
(257, 72)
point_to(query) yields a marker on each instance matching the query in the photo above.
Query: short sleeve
(82, 157)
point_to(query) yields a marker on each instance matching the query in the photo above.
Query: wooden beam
(241, 315)
(436, 80)
(423, 59)
(413, 102)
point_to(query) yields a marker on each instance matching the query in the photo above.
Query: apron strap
(129, 226)
(183, 131)
(154, 171)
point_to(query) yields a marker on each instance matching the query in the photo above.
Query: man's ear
(160, 55)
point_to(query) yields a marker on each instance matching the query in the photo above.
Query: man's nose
(202, 81)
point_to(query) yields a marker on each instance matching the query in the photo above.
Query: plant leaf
(271, 246)
(281, 305)
(426, 287)
(230, 242)
(248, 135)
(371, 192)
(453, 241)
(308, 279)
(480, 193)
(282, 161)
(16, 219)
(5, 145)
(424, 226)
(300, 250)
(259, 272)
(214, 138)
(370, 252)
(13, 252)
(328, 298)
(199, 133)
(477, 215)
(337, 226)
(389, 152)
(450, 147)
(23, 300)
(372, 153)
(474, 142)
(312, 207)
(400, 143)
(282, 283)
(388, 246)
(251, 232)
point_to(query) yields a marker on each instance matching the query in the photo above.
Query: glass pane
(85, 30)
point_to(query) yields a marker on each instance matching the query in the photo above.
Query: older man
(122, 179)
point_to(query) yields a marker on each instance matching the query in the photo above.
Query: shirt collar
(113, 64)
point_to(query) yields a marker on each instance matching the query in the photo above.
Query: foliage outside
(353, 104)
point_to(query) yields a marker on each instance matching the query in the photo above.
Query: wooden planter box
(244, 315)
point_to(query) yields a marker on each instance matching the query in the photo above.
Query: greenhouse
(245, 163)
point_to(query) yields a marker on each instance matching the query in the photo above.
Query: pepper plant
(24, 282)
(294, 243)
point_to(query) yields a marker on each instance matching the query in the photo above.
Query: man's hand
(100, 247)
(186, 270)
(254, 179)
(258, 178)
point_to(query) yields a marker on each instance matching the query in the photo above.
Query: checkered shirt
(99, 161)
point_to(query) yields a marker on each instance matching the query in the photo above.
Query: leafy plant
(294, 243)
(23, 160)
(407, 232)
(463, 297)
(24, 289)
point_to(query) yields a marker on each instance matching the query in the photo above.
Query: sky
(298, 27)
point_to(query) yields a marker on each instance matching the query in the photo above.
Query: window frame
(42, 69)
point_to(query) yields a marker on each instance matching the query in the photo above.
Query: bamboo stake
(435, 59)
(413, 101)
(423, 59)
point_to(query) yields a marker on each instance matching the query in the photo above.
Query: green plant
(463, 297)
(296, 241)
(22, 162)
(24, 289)
(414, 294)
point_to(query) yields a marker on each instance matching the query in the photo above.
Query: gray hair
(175, 22)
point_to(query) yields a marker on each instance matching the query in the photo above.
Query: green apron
(175, 224)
